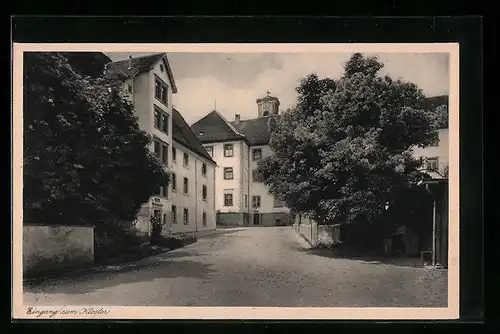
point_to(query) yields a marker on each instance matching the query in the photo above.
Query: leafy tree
(85, 158)
(345, 149)
(441, 117)
(288, 171)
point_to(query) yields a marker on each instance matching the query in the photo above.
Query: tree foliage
(85, 159)
(345, 149)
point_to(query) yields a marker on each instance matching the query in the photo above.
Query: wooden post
(434, 232)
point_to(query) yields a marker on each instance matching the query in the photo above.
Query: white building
(435, 157)
(188, 203)
(237, 146)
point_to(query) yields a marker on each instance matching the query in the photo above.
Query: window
(186, 217)
(161, 91)
(164, 94)
(432, 164)
(157, 148)
(161, 120)
(174, 182)
(204, 192)
(278, 203)
(164, 190)
(186, 188)
(255, 176)
(164, 122)
(265, 113)
(157, 214)
(174, 214)
(256, 202)
(228, 199)
(174, 154)
(210, 150)
(204, 170)
(228, 150)
(157, 89)
(157, 119)
(186, 160)
(129, 87)
(204, 218)
(161, 150)
(246, 201)
(256, 154)
(164, 154)
(228, 173)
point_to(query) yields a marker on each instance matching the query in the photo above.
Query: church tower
(268, 105)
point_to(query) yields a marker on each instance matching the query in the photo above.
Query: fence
(317, 234)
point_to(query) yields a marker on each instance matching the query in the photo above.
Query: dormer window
(256, 154)
(432, 164)
(162, 68)
(265, 113)
(129, 88)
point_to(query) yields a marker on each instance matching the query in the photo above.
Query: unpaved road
(248, 267)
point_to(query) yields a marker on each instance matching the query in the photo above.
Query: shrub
(115, 241)
(176, 241)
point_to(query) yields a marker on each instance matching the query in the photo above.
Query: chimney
(130, 62)
(237, 119)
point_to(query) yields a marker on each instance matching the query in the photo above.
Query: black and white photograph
(294, 178)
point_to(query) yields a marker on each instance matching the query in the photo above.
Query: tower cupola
(268, 105)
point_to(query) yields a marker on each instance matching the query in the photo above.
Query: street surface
(268, 266)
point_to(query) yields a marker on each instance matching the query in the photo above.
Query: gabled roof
(255, 130)
(182, 133)
(434, 101)
(433, 175)
(215, 128)
(129, 68)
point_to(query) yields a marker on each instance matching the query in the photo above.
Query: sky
(232, 82)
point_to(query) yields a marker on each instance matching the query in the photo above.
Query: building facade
(435, 158)
(423, 225)
(187, 203)
(435, 168)
(237, 146)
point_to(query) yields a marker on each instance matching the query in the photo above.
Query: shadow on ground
(217, 233)
(99, 270)
(401, 261)
(132, 273)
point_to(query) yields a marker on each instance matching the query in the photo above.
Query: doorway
(256, 219)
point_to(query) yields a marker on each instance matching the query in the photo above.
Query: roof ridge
(229, 124)
(139, 57)
(185, 125)
(142, 64)
(199, 120)
(251, 119)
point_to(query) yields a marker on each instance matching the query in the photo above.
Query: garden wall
(47, 248)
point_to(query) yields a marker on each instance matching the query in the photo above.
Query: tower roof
(268, 97)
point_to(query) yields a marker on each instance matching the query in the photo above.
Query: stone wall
(230, 219)
(275, 219)
(47, 248)
(245, 219)
(315, 234)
